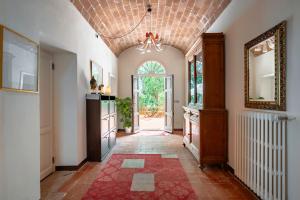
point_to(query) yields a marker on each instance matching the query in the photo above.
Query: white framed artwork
(18, 62)
(97, 72)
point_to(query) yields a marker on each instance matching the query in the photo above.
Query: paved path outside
(151, 123)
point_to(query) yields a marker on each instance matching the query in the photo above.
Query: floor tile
(169, 155)
(133, 163)
(55, 196)
(143, 182)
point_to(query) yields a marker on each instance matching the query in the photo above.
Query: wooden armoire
(205, 125)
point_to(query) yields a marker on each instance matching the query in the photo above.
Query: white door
(169, 103)
(135, 104)
(46, 125)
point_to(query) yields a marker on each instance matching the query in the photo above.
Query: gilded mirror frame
(279, 103)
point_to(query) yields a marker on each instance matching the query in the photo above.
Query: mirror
(262, 71)
(265, 64)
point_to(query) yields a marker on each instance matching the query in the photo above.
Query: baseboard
(72, 167)
(46, 177)
(229, 169)
(178, 129)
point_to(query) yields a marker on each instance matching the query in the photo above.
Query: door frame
(133, 105)
(172, 105)
(132, 96)
(49, 171)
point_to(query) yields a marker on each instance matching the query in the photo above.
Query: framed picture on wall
(18, 62)
(97, 72)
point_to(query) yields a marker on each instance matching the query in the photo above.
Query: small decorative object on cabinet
(101, 121)
(205, 119)
(93, 84)
(108, 90)
(101, 89)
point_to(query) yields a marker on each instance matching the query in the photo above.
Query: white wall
(1, 152)
(174, 62)
(21, 146)
(1, 137)
(241, 22)
(59, 24)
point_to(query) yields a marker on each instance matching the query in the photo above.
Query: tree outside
(151, 97)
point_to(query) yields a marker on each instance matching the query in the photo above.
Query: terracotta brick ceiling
(178, 22)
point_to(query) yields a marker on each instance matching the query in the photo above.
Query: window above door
(151, 68)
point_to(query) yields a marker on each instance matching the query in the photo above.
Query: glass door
(135, 104)
(169, 103)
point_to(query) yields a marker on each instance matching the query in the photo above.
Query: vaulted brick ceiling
(178, 22)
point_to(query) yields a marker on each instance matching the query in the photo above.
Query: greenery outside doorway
(151, 96)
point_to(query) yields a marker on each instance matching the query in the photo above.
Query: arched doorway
(150, 93)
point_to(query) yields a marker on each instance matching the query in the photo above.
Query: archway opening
(151, 95)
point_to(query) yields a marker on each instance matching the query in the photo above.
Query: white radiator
(261, 153)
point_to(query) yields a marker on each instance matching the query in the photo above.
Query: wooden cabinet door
(195, 134)
(213, 136)
(187, 127)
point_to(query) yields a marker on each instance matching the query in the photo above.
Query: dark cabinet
(101, 125)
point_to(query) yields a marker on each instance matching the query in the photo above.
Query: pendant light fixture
(152, 41)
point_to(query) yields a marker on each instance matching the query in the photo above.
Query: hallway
(212, 183)
(222, 74)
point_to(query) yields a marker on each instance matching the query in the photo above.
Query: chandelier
(151, 41)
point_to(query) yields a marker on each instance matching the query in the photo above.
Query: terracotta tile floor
(209, 184)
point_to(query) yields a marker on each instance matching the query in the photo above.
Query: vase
(93, 83)
(128, 130)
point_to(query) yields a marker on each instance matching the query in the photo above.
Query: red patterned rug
(115, 181)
